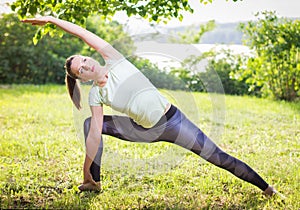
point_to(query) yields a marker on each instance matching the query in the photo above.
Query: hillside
(224, 33)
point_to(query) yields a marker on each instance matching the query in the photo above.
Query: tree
(218, 76)
(224, 67)
(21, 62)
(159, 78)
(275, 67)
(78, 11)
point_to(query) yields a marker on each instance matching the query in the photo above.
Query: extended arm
(94, 41)
(93, 141)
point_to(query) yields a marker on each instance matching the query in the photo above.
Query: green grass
(42, 152)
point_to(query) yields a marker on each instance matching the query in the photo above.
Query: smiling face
(86, 68)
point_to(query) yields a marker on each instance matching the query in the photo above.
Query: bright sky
(229, 11)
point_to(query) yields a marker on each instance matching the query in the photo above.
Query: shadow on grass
(47, 197)
(44, 197)
(249, 201)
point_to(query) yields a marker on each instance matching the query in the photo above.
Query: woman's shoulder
(112, 61)
(111, 54)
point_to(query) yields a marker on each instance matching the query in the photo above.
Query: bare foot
(270, 191)
(90, 187)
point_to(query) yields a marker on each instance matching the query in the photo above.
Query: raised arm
(94, 41)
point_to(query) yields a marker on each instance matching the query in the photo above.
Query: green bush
(222, 68)
(159, 78)
(217, 77)
(275, 67)
(23, 62)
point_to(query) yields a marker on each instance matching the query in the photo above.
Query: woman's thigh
(123, 127)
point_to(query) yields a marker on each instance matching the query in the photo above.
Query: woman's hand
(38, 21)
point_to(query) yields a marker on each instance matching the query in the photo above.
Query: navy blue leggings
(175, 128)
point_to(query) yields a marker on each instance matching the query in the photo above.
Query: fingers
(29, 20)
(34, 21)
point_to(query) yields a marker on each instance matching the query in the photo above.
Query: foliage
(217, 75)
(276, 66)
(223, 68)
(78, 11)
(159, 78)
(21, 62)
(41, 158)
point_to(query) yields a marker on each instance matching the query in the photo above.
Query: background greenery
(22, 62)
(272, 70)
(41, 157)
(275, 66)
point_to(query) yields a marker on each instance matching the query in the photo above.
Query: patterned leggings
(175, 128)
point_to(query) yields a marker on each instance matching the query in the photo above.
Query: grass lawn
(42, 152)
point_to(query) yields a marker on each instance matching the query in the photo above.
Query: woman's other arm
(93, 141)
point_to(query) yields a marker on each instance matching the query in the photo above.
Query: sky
(228, 11)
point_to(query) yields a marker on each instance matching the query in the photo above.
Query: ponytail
(72, 84)
(74, 91)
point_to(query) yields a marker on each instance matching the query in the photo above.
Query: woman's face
(86, 68)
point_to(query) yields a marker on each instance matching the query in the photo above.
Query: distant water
(166, 56)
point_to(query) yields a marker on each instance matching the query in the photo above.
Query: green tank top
(128, 91)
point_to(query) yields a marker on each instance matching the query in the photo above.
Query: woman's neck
(102, 80)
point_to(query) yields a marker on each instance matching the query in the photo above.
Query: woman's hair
(72, 84)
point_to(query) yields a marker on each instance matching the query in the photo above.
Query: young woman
(149, 116)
